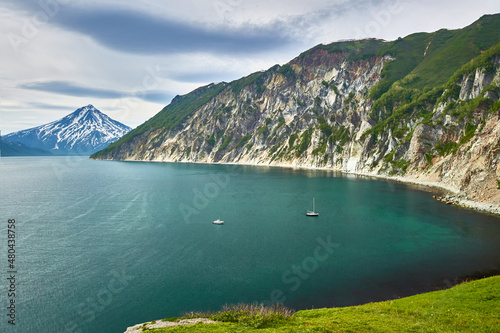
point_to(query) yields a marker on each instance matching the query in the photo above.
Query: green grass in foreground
(469, 307)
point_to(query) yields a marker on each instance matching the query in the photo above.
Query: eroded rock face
(315, 112)
(474, 169)
(423, 136)
(473, 84)
(323, 84)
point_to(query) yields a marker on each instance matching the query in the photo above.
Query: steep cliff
(425, 107)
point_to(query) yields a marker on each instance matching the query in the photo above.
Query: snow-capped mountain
(82, 132)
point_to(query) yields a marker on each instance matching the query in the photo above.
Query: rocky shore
(460, 201)
(162, 324)
(445, 193)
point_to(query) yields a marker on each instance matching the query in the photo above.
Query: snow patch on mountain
(82, 132)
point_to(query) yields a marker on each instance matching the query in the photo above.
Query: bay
(101, 246)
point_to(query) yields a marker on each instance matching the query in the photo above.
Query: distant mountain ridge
(82, 132)
(8, 148)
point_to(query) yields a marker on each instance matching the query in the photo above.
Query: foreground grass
(469, 307)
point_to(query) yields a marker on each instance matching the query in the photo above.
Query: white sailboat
(312, 213)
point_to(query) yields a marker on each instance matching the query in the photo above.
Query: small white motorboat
(218, 222)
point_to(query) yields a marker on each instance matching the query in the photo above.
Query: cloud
(197, 77)
(256, 30)
(141, 33)
(130, 29)
(72, 89)
(47, 106)
(159, 97)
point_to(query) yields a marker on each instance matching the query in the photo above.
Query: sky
(130, 59)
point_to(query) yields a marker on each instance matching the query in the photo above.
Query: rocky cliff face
(319, 111)
(276, 120)
(460, 147)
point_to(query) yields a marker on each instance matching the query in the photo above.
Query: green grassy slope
(403, 104)
(426, 60)
(445, 52)
(450, 50)
(408, 53)
(469, 307)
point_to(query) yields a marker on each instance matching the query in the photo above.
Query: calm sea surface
(105, 245)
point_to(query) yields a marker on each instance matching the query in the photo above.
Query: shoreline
(447, 194)
(451, 196)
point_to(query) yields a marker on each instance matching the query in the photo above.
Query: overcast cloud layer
(130, 60)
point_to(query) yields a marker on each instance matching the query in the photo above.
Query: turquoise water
(105, 245)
